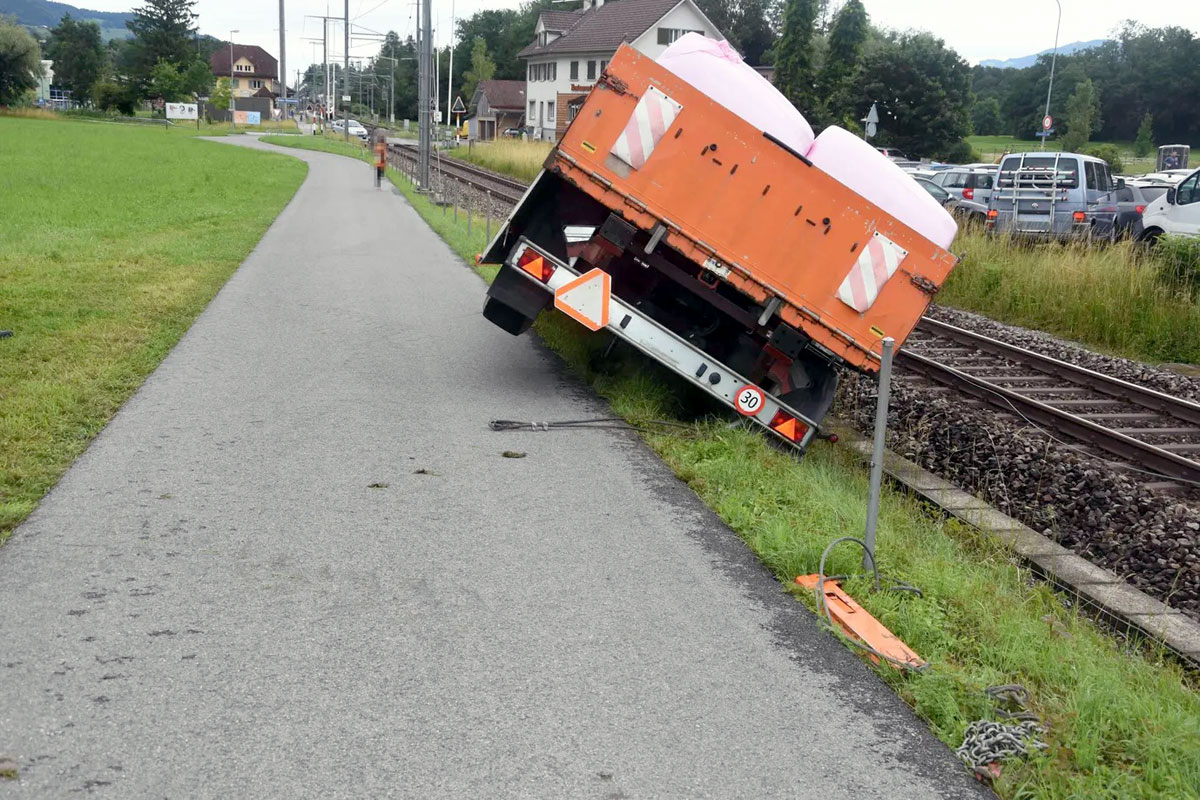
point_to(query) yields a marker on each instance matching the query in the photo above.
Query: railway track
(1153, 435)
(1149, 433)
(501, 187)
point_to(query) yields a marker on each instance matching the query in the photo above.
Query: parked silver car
(973, 184)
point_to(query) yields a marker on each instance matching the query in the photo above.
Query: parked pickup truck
(716, 249)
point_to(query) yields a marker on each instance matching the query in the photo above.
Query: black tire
(506, 317)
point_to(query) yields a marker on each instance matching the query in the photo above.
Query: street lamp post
(232, 105)
(1053, 58)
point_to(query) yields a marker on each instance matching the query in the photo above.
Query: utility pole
(282, 44)
(425, 101)
(450, 71)
(232, 103)
(346, 78)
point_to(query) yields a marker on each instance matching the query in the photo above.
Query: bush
(111, 96)
(1178, 262)
(1108, 153)
(959, 153)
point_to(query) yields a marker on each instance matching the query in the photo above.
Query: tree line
(165, 57)
(1142, 85)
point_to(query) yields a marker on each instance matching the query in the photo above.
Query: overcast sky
(977, 31)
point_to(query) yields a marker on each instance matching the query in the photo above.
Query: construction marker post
(881, 412)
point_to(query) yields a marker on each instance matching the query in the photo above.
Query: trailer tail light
(1078, 216)
(968, 194)
(788, 426)
(535, 264)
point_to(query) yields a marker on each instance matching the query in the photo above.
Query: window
(573, 107)
(532, 111)
(591, 70)
(603, 65)
(574, 70)
(669, 35)
(1089, 170)
(1188, 191)
(529, 72)
(550, 111)
(256, 84)
(235, 82)
(1125, 195)
(984, 180)
(554, 71)
(1040, 172)
(955, 180)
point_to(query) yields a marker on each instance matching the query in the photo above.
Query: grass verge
(1110, 297)
(1123, 719)
(520, 159)
(112, 240)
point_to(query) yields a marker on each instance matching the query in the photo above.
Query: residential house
(496, 106)
(571, 49)
(254, 76)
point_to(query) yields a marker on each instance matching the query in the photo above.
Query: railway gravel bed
(1152, 377)
(465, 185)
(1150, 538)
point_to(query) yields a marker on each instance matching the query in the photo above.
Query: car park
(1054, 196)
(968, 183)
(1132, 200)
(961, 209)
(893, 153)
(1177, 211)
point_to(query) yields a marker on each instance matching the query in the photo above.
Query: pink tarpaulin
(717, 70)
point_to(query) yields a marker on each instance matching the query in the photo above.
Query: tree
(482, 69)
(795, 70)
(986, 119)
(197, 78)
(78, 55)
(1083, 116)
(846, 39)
(166, 81)
(220, 94)
(923, 90)
(1144, 143)
(163, 30)
(20, 62)
(749, 31)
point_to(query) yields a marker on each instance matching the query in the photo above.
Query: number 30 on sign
(749, 400)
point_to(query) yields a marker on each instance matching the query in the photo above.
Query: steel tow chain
(986, 743)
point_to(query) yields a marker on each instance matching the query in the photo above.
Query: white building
(571, 48)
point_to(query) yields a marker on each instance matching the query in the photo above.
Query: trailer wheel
(506, 317)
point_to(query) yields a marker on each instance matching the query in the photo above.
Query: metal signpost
(881, 412)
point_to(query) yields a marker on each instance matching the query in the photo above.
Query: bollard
(881, 411)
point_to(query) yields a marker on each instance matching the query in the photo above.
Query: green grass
(112, 239)
(1124, 720)
(520, 159)
(1108, 297)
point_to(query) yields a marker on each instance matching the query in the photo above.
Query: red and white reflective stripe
(879, 261)
(652, 116)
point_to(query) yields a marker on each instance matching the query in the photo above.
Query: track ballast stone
(1085, 505)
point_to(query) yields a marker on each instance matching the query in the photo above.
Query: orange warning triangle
(534, 267)
(787, 428)
(585, 299)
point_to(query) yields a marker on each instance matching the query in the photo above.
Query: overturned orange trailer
(712, 247)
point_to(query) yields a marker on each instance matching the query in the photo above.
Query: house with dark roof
(571, 48)
(495, 107)
(254, 72)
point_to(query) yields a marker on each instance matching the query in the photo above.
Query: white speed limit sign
(749, 400)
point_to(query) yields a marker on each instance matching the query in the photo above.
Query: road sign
(345, 98)
(1047, 121)
(872, 121)
(585, 299)
(749, 401)
(458, 107)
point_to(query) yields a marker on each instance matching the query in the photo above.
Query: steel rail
(1081, 376)
(1138, 453)
(500, 186)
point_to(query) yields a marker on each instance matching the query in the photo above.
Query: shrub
(959, 153)
(111, 96)
(1108, 153)
(1178, 263)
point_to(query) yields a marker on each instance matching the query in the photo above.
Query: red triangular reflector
(787, 428)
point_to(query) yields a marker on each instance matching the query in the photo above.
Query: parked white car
(357, 129)
(1176, 212)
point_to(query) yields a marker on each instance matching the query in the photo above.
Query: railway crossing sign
(1047, 121)
(749, 401)
(585, 299)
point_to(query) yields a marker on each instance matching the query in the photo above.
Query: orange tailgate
(761, 216)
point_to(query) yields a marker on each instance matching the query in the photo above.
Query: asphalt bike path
(296, 564)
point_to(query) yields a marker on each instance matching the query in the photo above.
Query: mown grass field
(1123, 719)
(992, 147)
(112, 239)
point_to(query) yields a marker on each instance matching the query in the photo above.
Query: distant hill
(1008, 63)
(45, 14)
